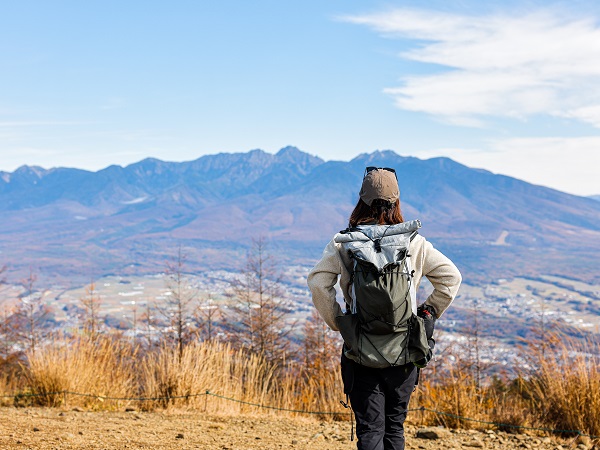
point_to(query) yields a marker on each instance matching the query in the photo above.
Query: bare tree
(543, 329)
(322, 346)
(149, 321)
(7, 334)
(207, 316)
(91, 303)
(258, 310)
(134, 311)
(31, 313)
(6, 328)
(474, 333)
(476, 365)
(180, 304)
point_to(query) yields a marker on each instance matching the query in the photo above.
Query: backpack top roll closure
(379, 245)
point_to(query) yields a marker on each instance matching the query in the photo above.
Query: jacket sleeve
(443, 275)
(321, 281)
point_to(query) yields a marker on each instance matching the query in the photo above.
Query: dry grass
(456, 394)
(106, 368)
(566, 386)
(6, 391)
(323, 393)
(11, 378)
(212, 367)
(561, 391)
(101, 367)
(226, 372)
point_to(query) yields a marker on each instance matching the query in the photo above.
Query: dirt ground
(47, 428)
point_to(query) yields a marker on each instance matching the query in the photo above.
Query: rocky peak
(31, 172)
(298, 158)
(380, 158)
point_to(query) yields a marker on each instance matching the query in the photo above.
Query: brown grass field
(43, 407)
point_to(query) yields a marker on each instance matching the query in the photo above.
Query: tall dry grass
(565, 386)
(7, 388)
(560, 390)
(461, 403)
(319, 392)
(11, 378)
(113, 374)
(453, 391)
(213, 367)
(234, 374)
(99, 367)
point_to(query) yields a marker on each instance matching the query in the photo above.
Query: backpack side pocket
(348, 325)
(418, 347)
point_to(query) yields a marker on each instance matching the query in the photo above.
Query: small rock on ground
(433, 433)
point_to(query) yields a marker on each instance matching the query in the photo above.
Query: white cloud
(590, 114)
(497, 65)
(566, 164)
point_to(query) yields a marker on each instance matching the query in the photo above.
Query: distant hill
(595, 197)
(76, 224)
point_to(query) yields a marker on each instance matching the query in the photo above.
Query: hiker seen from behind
(379, 261)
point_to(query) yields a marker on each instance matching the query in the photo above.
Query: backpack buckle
(377, 243)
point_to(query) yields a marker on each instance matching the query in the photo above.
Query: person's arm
(321, 281)
(443, 275)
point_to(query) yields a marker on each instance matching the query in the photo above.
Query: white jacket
(426, 261)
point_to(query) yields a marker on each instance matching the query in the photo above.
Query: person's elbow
(315, 285)
(457, 278)
(453, 283)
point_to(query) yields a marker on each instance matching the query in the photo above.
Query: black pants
(379, 398)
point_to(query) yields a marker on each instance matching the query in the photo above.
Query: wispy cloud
(498, 65)
(547, 161)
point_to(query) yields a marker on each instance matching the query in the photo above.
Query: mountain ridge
(213, 206)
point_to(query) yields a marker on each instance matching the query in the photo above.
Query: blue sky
(508, 86)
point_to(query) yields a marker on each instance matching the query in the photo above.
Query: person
(379, 396)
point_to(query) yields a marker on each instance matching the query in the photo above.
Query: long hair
(381, 212)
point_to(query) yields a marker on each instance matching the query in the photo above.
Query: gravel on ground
(54, 428)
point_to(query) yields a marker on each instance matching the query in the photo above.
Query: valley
(509, 311)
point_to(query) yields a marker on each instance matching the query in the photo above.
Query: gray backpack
(381, 327)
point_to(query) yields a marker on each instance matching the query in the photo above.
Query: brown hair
(381, 212)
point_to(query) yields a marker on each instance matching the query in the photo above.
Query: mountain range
(76, 224)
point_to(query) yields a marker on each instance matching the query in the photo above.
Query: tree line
(255, 316)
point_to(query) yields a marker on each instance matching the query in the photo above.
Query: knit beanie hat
(379, 184)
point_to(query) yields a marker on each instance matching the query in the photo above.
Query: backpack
(381, 327)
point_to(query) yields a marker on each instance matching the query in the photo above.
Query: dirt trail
(45, 428)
